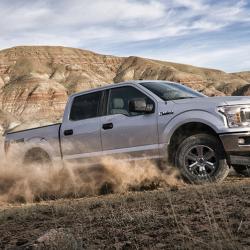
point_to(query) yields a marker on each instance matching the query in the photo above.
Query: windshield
(171, 91)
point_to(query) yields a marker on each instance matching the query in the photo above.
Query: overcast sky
(205, 33)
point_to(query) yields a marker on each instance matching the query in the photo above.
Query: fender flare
(215, 122)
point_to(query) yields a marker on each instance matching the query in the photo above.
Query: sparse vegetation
(215, 216)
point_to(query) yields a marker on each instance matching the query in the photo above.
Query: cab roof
(112, 85)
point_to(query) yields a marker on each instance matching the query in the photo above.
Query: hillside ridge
(35, 81)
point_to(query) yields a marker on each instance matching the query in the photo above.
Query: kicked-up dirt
(214, 216)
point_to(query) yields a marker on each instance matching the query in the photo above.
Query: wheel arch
(184, 131)
(43, 145)
(34, 153)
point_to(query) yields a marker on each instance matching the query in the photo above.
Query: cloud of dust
(28, 183)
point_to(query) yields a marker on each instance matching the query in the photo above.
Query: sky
(207, 33)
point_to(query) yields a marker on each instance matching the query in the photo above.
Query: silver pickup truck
(156, 120)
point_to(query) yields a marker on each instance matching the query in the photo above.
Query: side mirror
(140, 105)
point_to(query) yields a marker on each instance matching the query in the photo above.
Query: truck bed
(41, 131)
(33, 129)
(49, 135)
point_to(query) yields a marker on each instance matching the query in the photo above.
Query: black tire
(37, 156)
(201, 159)
(242, 170)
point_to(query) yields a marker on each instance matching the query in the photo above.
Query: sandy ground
(214, 216)
(172, 216)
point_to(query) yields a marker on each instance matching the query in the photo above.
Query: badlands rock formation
(35, 81)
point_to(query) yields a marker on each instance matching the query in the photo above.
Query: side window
(120, 97)
(85, 106)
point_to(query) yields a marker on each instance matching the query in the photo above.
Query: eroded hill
(35, 81)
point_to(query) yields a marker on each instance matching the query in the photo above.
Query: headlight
(237, 116)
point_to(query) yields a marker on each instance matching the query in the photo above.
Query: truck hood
(217, 101)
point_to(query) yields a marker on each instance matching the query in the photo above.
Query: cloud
(197, 5)
(106, 24)
(220, 58)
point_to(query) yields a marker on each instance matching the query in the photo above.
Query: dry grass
(189, 217)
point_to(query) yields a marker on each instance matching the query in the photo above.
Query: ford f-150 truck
(202, 136)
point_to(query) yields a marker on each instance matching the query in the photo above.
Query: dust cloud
(29, 183)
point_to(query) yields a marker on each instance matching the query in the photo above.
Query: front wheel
(201, 159)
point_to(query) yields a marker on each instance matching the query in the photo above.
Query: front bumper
(237, 147)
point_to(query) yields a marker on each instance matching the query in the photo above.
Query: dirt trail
(59, 208)
(214, 216)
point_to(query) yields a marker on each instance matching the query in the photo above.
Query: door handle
(68, 132)
(107, 126)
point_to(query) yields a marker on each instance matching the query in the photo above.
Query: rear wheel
(37, 156)
(201, 159)
(242, 170)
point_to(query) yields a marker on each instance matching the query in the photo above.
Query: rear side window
(85, 106)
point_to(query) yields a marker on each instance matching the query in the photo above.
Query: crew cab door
(80, 132)
(125, 133)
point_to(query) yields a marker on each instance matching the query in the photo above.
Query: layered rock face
(35, 81)
(29, 96)
(7, 121)
(244, 75)
(209, 81)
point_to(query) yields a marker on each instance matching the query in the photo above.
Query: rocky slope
(35, 81)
